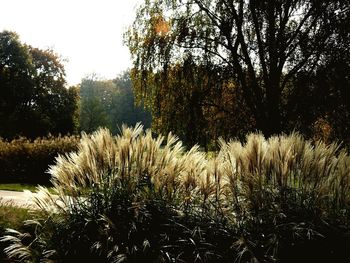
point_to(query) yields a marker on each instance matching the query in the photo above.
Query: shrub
(26, 161)
(135, 198)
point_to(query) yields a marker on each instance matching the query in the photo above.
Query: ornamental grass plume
(117, 178)
(285, 164)
(103, 160)
(284, 190)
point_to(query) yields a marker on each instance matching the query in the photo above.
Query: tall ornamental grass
(135, 198)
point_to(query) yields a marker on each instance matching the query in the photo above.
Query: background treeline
(302, 83)
(35, 100)
(40, 117)
(109, 103)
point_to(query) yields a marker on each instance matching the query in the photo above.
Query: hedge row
(27, 161)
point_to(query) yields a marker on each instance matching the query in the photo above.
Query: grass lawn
(11, 217)
(19, 187)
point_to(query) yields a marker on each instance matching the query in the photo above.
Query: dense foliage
(198, 103)
(134, 198)
(109, 103)
(27, 161)
(276, 65)
(34, 100)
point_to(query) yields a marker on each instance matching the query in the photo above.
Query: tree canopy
(262, 47)
(109, 103)
(34, 100)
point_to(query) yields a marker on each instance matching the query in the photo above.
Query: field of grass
(12, 216)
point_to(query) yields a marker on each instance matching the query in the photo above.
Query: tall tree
(34, 99)
(16, 83)
(95, 102)
(263, 45)
(52, 100)
(125, 110)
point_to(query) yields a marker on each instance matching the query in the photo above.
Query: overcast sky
(88, 33)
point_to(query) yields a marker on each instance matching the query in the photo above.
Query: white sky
(89, 33)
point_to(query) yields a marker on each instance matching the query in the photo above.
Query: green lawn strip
(20, 187)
